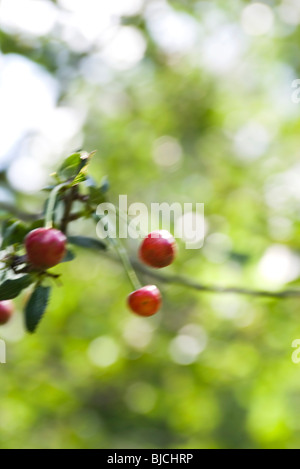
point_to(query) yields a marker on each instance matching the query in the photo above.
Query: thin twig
(189, 283)
(164, 278)
(69, 199)
(26, 217)
(76, 216)
(123, 256)
(186, 282)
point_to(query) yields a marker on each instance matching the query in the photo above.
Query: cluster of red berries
(157, 250)
(46, 248)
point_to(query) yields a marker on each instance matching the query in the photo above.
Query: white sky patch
(257, 19)
(88, 22)
(36, 18)
(83, 27)
(34, 132)
(27, 94)
(222, 50)
(27, 175)
(120, 7)
(95, 70)
(289, 11)
(63, 123)
(173, 31)
(125, 49)
(279, 265)
(125, 7)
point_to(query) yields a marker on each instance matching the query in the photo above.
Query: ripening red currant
(45, 247)
(146, 301)
(158, 249)
(6, 311)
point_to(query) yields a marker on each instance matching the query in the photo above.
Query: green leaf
(36, 307)
(70, 256)
(75, 167)
(36, 224)
(13, 232)
(81, 176)
(96, 195)
(86, 242)
(71, 166)
(12, 288)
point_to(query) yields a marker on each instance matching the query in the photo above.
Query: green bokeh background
(95, 376)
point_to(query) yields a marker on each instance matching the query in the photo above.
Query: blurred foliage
(210, 371)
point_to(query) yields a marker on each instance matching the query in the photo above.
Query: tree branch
(69, 199)
(164, 278)
(10, 209)
(186, 282)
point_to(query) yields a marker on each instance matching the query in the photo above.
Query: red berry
(146, 301)
(45, 247)
(158, 249)
(6, 311)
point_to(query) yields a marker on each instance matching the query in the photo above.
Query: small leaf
(71, 166)
(36, 307)
(14, 232)
(81, 176)
(96, 195)
(75, 166)
(12, 288)
(70, 256)
(36, 224)
(86, 242)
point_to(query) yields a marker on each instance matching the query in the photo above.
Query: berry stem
(122, 253)
(124, 258)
